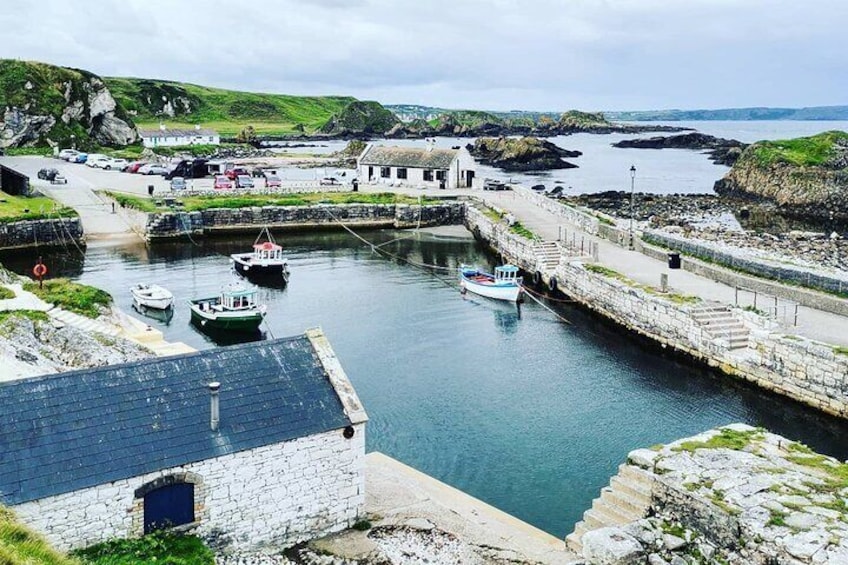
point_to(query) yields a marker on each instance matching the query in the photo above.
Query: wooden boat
(152, 296)
(266, 259)
(503, 285)
(235, 309)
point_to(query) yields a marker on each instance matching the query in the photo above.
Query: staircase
(719, 322)
(548, 255)
(81, 322)
(625, 500)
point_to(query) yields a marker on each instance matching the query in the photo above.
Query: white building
(167, 137)
(273, 455)
(420, 167)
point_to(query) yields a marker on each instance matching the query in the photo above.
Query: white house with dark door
(426, 167)
(261, 444)
(168, 137)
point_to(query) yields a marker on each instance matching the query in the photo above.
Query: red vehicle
(273, 181)
(222, 182)
(134, 166)
(238, 171)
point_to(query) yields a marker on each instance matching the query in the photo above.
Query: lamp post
(73, 141)
(632, 193)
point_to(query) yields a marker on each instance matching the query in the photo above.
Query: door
(370, 173)
(469, 178)
(168, 506)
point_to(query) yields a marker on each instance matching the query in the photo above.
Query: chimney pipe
(215, 415)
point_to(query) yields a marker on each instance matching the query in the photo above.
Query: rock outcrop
(360, 118)
(44, 104)
(522, 154)
(721, 151)
(806, 177)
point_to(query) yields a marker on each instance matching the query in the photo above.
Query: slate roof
(63, 432)
(168, 132)
(411, 157)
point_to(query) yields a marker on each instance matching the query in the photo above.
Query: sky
(550, 55)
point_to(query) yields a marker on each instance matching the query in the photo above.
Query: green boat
(235, 309)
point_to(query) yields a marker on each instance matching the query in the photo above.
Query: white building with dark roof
(426, 167)
(168, 137)
(255, 444)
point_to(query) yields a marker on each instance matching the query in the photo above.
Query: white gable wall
(455, 175)
(168, 139)
(278, 494)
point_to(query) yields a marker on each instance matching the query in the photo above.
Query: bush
(158, 548)
(79, 298)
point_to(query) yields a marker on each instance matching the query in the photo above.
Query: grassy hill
(816, 150)
(21, 546)
(227, 111)
(735, 114)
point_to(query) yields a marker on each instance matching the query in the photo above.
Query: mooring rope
(545, 306)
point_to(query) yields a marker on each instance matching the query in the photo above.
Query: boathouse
(254, 444)
(425, 167)
(168, 137)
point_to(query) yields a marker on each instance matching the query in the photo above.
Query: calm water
(518, 409)
(603, 167)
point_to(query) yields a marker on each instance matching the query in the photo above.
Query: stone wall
(274, 495)
(174, 224)
(35, 233)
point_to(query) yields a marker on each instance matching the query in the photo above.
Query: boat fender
(552, 284)
(537, 278)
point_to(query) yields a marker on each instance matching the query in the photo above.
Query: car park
(233, 173)
(273, 181)
(178, 183)
(244, 181)
(222, 182)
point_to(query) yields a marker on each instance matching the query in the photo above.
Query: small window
(441, 175)
(401, 173)
(428, 174)
(385, 172)
(168, 506)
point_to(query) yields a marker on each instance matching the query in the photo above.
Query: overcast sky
(488, 54)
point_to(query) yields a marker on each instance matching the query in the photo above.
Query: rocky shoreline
(721, 151)
(522, 154)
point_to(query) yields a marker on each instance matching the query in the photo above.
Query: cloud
(499, 54)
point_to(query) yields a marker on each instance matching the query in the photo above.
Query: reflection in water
(164, 317)
(507, 320)
(225, 337)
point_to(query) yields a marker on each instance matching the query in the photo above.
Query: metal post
(664, 282)
(632, 196)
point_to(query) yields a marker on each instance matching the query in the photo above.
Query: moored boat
(504, 284)
(152, 296)
(266, 259)
(235, 309)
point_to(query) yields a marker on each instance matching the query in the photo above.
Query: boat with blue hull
(504, 284)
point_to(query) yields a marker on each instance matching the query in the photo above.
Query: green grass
(725, 439)
(82, 299)
(840, 350)
(802, 151)
(6, 293)
(159, 548)
(41, 151)
(18, 208)
(21, 546)
(518, 229)
(34, 315)
(776, 518)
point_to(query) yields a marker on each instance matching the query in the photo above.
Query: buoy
(552, 284)
(39, 270)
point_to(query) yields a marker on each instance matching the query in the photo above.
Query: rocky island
(806, 177)
(721, 151)
(522, 154)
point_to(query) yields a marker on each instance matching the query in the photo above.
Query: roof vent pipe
(215, 413)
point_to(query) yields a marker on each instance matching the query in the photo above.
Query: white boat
(234, 309)
(503, 285)
(266, 260)
(152, 296)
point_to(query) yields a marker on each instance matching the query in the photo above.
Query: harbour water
(512, 406)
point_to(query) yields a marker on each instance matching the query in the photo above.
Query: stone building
(250, 445)
(168, 137)
(420, 167)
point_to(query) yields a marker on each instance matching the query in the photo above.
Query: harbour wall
(320, 216)
(41, 233)
(810, 372)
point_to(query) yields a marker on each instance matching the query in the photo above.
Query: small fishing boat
(152, 296)
(266, 259)
(235, 309)
(503, 285)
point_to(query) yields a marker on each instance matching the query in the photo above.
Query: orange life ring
(39, 270)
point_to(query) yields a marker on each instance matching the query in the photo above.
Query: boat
(151, 296)
(235, 309)
(503, 285)
(266, 259)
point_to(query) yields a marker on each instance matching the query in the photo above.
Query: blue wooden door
(168, 506)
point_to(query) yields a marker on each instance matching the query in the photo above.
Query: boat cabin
(267, 251)
(238, 299)
(506, 274)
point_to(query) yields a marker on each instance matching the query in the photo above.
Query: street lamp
(73, 141)
(632, 185)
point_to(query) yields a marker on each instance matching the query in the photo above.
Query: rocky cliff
(360, 117)
(721, 151)
(807, 177)
(45, 104)
(523, 154)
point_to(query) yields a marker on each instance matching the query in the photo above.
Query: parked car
(115, 164)
(178, 183)
(44, 173)
(233, 173)
(134, 166)
(538, 187)
(326, 181)
(222, 182)
(244, 181)
(273, 182)
(494, 184)
(58, 178)
(68, 154)
(79, 158)
(151, 169)
(97, 161)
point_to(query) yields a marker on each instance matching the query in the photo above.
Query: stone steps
(626, 499)
(548, 254)
(719, 322)
(81, 322)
